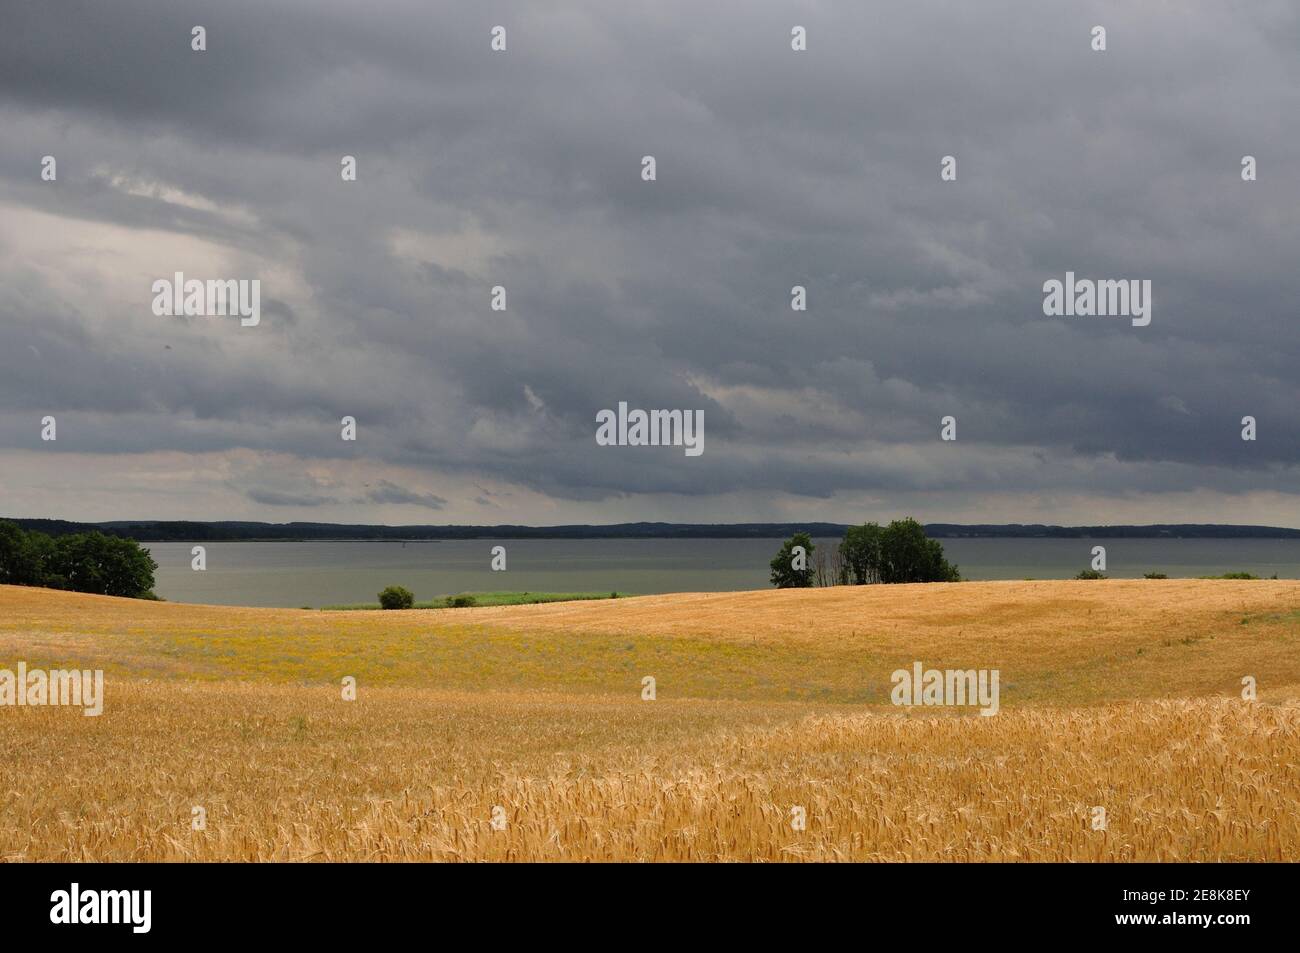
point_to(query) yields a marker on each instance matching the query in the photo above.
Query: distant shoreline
(155, 531)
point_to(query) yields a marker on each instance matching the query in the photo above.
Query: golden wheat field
(1117, 694)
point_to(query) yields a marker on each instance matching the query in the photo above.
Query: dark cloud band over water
(522, 169)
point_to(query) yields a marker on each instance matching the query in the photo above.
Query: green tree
(396, 597)
(38, 561)
(84, 562)
(908, 555)
(105, 565)
(861, 554)
(15, 568)
(791, 570)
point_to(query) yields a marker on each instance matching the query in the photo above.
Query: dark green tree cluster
(792, 569)
(899, 552)
(82, 562)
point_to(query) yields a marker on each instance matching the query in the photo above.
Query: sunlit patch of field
(1055, 642)
(1119, 694)
(295, 773)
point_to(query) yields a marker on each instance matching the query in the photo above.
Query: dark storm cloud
(775, 169)
(391, 493)
(276, 498)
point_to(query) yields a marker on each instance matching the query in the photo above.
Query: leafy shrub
(1154, 575)
(1091, 574)
(461, 602)
(396, 597)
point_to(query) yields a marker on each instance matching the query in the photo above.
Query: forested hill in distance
(185, 531)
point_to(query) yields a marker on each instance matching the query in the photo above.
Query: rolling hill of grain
(770, 707)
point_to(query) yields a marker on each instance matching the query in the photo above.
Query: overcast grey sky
(775, 168)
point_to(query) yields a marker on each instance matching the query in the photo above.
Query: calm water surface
(321, 573)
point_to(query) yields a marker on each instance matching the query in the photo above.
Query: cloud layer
(775, 168)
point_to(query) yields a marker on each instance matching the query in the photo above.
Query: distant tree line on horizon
(870, 553)
(79, 562)
(230, 530)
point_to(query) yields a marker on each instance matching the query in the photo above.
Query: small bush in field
(396, 597)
